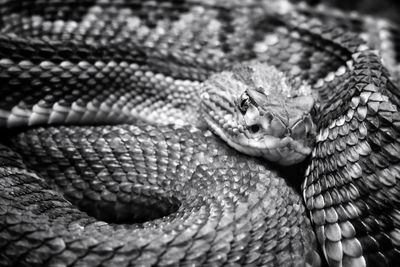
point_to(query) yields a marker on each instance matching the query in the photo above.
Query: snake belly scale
(105, 159)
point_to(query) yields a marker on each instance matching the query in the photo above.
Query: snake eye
(244, 103)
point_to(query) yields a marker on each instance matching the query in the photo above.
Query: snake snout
(302, 127)
(295, 128)
(299, 121)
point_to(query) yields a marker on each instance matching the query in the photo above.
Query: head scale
(259, 111)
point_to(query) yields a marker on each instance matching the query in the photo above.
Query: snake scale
(105, 159)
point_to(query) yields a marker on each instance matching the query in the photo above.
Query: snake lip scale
(149, 133)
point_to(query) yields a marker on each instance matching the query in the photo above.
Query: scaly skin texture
(146, 195)
(170, 195)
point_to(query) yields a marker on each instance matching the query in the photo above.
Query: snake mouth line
(285, 151)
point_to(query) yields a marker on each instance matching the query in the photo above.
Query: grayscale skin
(259, 111)
(102, 162)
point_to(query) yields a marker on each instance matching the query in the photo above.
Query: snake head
(259, 111)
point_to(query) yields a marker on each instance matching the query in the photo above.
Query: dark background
(385, 8)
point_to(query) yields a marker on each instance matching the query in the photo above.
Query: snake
(197, 133)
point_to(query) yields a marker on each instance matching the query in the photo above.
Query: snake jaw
(259, 122)
(284, 151)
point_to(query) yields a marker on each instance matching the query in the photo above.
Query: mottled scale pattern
(237, 212)
(306, 41)
(351, 185)
(175, 195)
(129, 65)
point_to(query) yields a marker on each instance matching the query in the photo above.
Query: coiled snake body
(151, 186)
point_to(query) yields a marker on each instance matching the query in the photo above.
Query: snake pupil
(255, 128)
